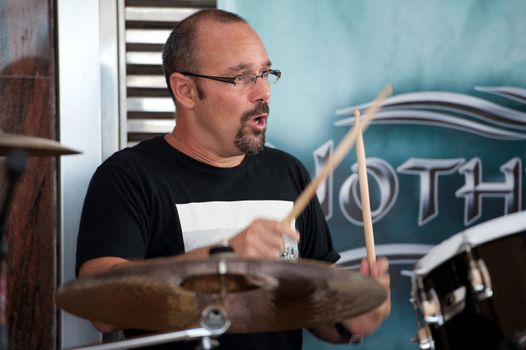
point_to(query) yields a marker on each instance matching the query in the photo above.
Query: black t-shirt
(152, 201)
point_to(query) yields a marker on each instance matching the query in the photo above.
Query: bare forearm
(330, 334)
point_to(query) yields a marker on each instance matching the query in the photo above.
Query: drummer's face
(233, 116)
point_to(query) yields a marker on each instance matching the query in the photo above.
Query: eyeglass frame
(232, 80)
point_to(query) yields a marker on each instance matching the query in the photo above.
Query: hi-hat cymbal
(258, 295)
(34, 146)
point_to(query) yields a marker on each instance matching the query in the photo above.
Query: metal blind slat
(158, 14)
(147, 23)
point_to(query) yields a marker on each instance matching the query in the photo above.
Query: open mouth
(260, 121)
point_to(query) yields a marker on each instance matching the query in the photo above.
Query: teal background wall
(339, 53)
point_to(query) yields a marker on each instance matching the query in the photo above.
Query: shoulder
(143, 150)
(143, 153)
(134, 162)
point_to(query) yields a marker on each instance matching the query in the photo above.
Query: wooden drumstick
(345, 145)
(364, 193)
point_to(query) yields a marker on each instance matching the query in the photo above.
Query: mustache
(260, 108)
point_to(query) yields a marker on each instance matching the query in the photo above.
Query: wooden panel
(27, 106)
(25, 42)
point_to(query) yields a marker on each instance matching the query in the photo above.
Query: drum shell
(482, 324)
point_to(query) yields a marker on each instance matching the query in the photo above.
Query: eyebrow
(243, 66)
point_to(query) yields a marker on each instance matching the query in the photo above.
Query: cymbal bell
(34, 146)
(257, 295)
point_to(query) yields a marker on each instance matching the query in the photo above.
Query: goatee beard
(249, 141)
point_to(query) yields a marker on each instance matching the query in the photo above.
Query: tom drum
(470, 290)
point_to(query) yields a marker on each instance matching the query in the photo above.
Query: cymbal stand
(222, 253)
(16, 162)
(214, 322)
(215, 318)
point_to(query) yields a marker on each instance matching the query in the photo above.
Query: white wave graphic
(440, 120)
(452, 110)
(510, 92)
(397, 253)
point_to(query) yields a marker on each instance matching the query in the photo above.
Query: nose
(260, 91)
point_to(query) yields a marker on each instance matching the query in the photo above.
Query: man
(211, 180)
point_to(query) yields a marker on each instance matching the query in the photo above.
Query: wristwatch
(344, 332)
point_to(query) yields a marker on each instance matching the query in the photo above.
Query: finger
(364, 267)
(382, 264)
(272, 240)
(262, 238)
(380, 268)
(385, 280)
(273, 234)
(295, 235)
(256, 247)
(282, 228)
(381, 272)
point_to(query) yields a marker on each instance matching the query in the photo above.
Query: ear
(183, 89)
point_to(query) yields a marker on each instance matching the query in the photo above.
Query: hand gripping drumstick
(364, 193)
(342, 149)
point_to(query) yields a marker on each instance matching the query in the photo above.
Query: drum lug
(428, 302)
(479, 276)
(481, 281)
(423, 336)
(431, 309)
(423, 339)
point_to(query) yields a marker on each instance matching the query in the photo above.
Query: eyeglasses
(243, 80)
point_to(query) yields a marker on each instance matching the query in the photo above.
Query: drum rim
(484, 232)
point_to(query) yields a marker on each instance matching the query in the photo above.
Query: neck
(200, 152)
